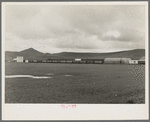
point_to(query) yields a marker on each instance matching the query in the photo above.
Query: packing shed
(125, 60)
(112, 60)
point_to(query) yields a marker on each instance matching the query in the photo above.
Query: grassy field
(75, 83)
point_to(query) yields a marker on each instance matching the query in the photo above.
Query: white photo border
(81, 111)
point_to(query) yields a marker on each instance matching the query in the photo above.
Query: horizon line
(77, 52)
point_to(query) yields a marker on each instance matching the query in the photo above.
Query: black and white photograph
(72, 54)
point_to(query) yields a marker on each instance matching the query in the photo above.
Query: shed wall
(125, 60)
(141, 62)
(98, 62)
(112, 61)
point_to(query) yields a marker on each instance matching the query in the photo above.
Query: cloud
(77, 41)
(76, 27)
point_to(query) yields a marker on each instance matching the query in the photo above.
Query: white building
(77, 59)
(19, 59)
(133, 62)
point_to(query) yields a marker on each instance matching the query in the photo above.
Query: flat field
(75, 83)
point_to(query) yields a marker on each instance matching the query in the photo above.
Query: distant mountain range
(31, 54)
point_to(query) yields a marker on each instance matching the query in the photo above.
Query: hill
(32, 54)
(31, 51)
(133, 54)
(27, 54)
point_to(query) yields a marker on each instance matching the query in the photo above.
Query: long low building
(117, 60)
(77, 60)
(125, 60)
(112, 61)
(93, 61)
(90, 61)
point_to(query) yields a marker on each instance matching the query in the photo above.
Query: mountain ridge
(32, 54)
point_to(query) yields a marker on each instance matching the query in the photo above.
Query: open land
(75, 83)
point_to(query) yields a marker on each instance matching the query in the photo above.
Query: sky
(74, 28)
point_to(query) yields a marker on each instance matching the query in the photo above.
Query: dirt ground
(75, 83)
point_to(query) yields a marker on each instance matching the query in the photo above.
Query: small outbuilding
(44, 61)
(98, 62)
(35, 61)
(69, 61)
(26, 61)
(90, 62)
(63, 61)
